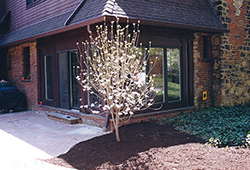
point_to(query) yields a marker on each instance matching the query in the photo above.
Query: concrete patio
(27, 137)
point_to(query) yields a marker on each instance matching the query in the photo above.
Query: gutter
(110, 18)
(56, 31)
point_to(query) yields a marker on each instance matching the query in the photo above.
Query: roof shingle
(192, 14)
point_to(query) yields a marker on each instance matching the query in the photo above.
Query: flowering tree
(113, 68)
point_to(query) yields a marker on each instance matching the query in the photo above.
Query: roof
(187, 14)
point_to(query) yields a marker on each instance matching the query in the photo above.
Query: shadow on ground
(135, 138)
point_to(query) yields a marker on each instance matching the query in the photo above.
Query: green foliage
(225, 126)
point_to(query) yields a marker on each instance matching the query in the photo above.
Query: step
(64, 118)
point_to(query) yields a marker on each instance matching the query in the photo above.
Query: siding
(22, 17)
(2, 8)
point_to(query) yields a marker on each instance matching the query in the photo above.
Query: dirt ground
(151, 146)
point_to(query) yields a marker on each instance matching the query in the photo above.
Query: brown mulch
(147, 145)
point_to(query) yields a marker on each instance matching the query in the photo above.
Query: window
(74, 86)
(156, 65)
(48, 72)
(30, 3)
(207, 47)
(173, 74)
(164, 66)
(26, 63)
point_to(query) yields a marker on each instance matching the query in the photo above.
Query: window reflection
(156, 70)
(173, 69)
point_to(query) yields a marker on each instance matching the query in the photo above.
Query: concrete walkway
(26, 137)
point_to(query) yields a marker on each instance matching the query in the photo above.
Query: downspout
(72, 15)
(90, 32)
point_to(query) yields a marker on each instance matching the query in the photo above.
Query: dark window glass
(28, 2)
(74, 86)
(26, 63)
(207, 47)
(48, 64)
(93, 99)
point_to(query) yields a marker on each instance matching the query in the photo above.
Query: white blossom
(114, 71)
(95, 112)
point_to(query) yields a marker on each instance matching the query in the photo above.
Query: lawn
(173, 89)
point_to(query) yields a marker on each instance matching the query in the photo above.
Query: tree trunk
(117, 133)
(117, 128)
(115, 120)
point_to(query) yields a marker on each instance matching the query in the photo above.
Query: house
(203, 46)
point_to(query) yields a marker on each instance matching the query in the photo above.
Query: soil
(147, 145)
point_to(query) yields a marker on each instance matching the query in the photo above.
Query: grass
(173, 89)
(225, 126)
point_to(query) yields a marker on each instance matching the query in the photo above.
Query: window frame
(26, 63)
(33, 3)
(45, 79)
(186, 77)
(166, 100)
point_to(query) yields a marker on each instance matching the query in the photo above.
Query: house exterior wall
(233, 66)
(225, 76)
(15, 73)
(21, 16)
(2, 8)
(206, 75)
(202, 74)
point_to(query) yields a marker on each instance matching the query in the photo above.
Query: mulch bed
(147, 145)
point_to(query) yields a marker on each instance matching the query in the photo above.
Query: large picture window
(164, 68)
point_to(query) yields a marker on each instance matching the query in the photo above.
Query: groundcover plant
(220, 127)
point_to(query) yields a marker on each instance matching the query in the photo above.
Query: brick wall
(202, 73)
(29, 87)
(234, 62)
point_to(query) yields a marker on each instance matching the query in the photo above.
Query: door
(68, 85)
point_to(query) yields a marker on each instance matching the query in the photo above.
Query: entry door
(67, 84)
